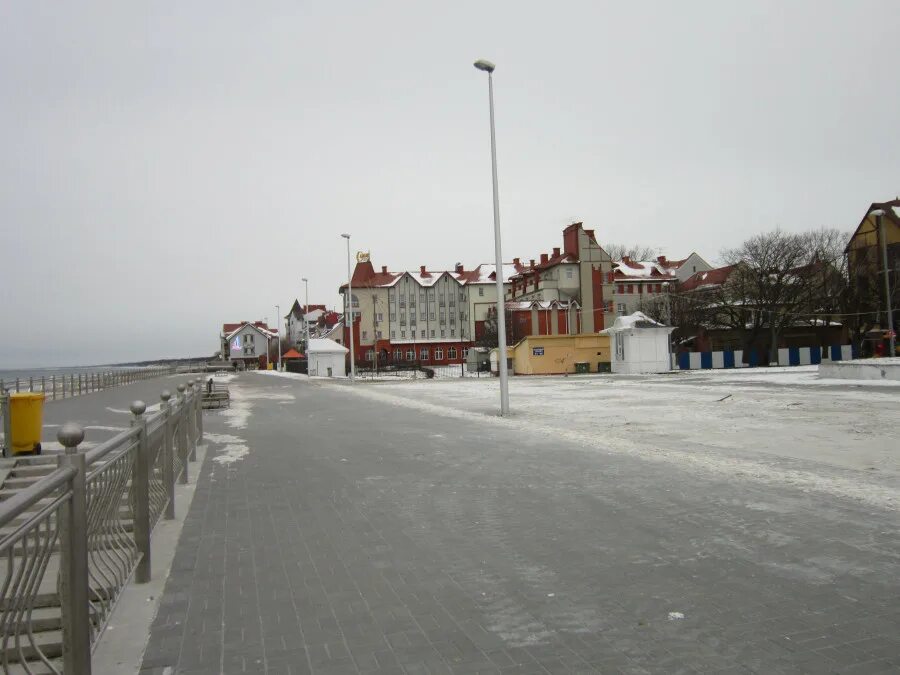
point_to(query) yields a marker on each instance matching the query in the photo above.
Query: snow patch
(675, 616)
(231, 453)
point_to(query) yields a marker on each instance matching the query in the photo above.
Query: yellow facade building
(559, 354)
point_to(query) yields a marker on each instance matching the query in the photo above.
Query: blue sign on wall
(537, 351)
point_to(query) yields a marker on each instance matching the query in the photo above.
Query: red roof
(292, 354)
(709, 278)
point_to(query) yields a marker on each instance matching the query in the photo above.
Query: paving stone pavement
(361, 537)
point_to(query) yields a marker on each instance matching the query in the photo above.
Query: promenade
(331, 533)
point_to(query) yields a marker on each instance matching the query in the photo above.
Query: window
(453, 319)
(481, 291)
(370, 355)
(462, 296)
(443, 319)
(402, 334)
(403, 301)
(431, 315)
(438, 354)
(423, 333)
(465, 352)
(380, 317)
(365, 334)
(393, 335)
(443, 333)
(452, 332)
(412, 319)
(695, 268)
(378, 335)
(422, 314)
(620, 288)
(393, 316)
(432, 333)
(659, 288)
(451, 353)
(568, 273)
(424, 354)
(631, 288)
(410, 354)
(452, 301)
(402, 317)
(422, 297)
(398, 355)
(620, 308)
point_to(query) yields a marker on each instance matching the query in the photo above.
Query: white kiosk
(638, 344)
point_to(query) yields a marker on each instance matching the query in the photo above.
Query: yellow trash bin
(26, 412)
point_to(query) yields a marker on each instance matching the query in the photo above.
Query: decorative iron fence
(70, 542)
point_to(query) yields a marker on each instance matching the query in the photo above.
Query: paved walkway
(334, 534)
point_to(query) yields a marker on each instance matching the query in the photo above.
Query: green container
(582, 367)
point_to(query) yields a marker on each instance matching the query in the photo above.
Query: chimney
(543, 258)
(517, 262)
(626, 259)
(384, 269)
(459, 268)
(556, 251)
(422, 270)
(532, 262)
(661, 260)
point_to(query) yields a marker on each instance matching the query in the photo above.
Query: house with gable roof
(431, 317)
(247, 343)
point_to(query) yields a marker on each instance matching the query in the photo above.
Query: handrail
(95, 454)
(23, 500)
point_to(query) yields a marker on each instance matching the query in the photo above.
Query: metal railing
(70, 542)
(75, 384)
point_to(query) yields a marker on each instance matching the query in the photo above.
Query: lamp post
(278, 327)
(879, 224)
(488, 67)
(349, 323)
(306, 309)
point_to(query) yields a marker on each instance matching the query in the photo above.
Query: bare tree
(634, 252)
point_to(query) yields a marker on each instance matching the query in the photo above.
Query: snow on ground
(752, 423)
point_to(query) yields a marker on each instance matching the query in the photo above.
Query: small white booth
(326, 358)
(638, 344)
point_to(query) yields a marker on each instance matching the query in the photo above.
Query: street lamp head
(877, 213)
(304, 279)
(345, 236)
(485, 65)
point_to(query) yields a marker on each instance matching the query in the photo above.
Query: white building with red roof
(640, 282)
(247, 342)
(428, 316)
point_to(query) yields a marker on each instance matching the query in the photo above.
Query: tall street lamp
(349, 323)
(488, 67)
(879, 224)
(278, 326)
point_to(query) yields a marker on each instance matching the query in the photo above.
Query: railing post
(7, 424)
(198, 411)
(168, 454)
(140, 484)
(183, 433)
(73, 558)
(192, 417)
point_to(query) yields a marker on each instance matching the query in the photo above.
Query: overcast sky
(170, 166)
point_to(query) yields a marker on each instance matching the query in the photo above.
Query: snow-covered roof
(484, 272)
(632, 321)
(259, 329)
(325, 346)
(313, 315)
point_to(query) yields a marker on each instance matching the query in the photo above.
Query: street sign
(537, 351)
